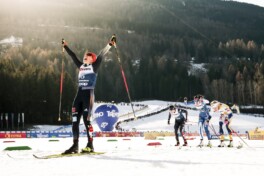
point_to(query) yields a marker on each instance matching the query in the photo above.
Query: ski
(204, 146)
(67, 155)
(179, 147)
(239, 146)
(10, 156)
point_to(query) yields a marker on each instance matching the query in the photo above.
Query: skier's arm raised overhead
(77, 62)
(84, 99)
(103, 52)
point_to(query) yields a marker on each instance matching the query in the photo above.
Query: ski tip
(9, 155)
(67, 155)
(39, 157)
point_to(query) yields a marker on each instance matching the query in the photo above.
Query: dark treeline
(159, 43)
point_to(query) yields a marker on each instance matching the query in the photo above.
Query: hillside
(142, 23)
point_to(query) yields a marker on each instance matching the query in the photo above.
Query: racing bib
(87, 77)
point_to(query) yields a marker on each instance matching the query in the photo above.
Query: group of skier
(84, 100)
(200, 104)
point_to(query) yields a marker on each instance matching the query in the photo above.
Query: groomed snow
(133, 157)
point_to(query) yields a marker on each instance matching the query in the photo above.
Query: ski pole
(61, 82)
(213, 129)
(124, 79)
(240, 137)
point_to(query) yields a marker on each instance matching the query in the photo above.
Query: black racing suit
(84, 99)
(179, 122)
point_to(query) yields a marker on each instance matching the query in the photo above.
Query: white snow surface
(197, 67)
(14, 41)
(133, 157)
(254, 2)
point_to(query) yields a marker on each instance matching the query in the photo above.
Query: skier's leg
(200, 127)
(176, 128)
(76, 116)
(221, 132)
(89, 101)
(182, 134)
(229, 132)
(207, 131)
(206, 125)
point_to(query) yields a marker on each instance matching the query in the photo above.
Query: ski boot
(177, 144)
(73, 149)
(89, 148)
(185, 143)
(209, 144)
(222, 144)
(201, 144)
(230, 144)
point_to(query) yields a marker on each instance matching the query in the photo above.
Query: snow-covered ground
(131, 156)
(12, 41)
(255, 2)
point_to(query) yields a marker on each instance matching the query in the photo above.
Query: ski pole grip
(62, 42)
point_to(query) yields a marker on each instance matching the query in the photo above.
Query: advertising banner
(256, 134)
(106, 116)
(48, 134)
(13, 134)
(119, 134)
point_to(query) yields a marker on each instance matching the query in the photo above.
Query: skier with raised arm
(84, 99)
(204, 118)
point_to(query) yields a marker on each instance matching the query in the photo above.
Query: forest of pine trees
(157, 52)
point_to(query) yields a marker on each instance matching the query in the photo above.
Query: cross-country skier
(225, 118)
(177, 113)
(204, 118)
(84, 100)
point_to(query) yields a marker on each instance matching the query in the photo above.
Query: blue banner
(48, 134)
(106, 116)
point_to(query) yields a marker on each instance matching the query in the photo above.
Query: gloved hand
(88, 123)
(207, 121)
(63, 42)
(112, 40)
(168, 122)
(90, 127)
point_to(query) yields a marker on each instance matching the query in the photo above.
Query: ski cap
(93, 56)
(172, 107)
(214, 103)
